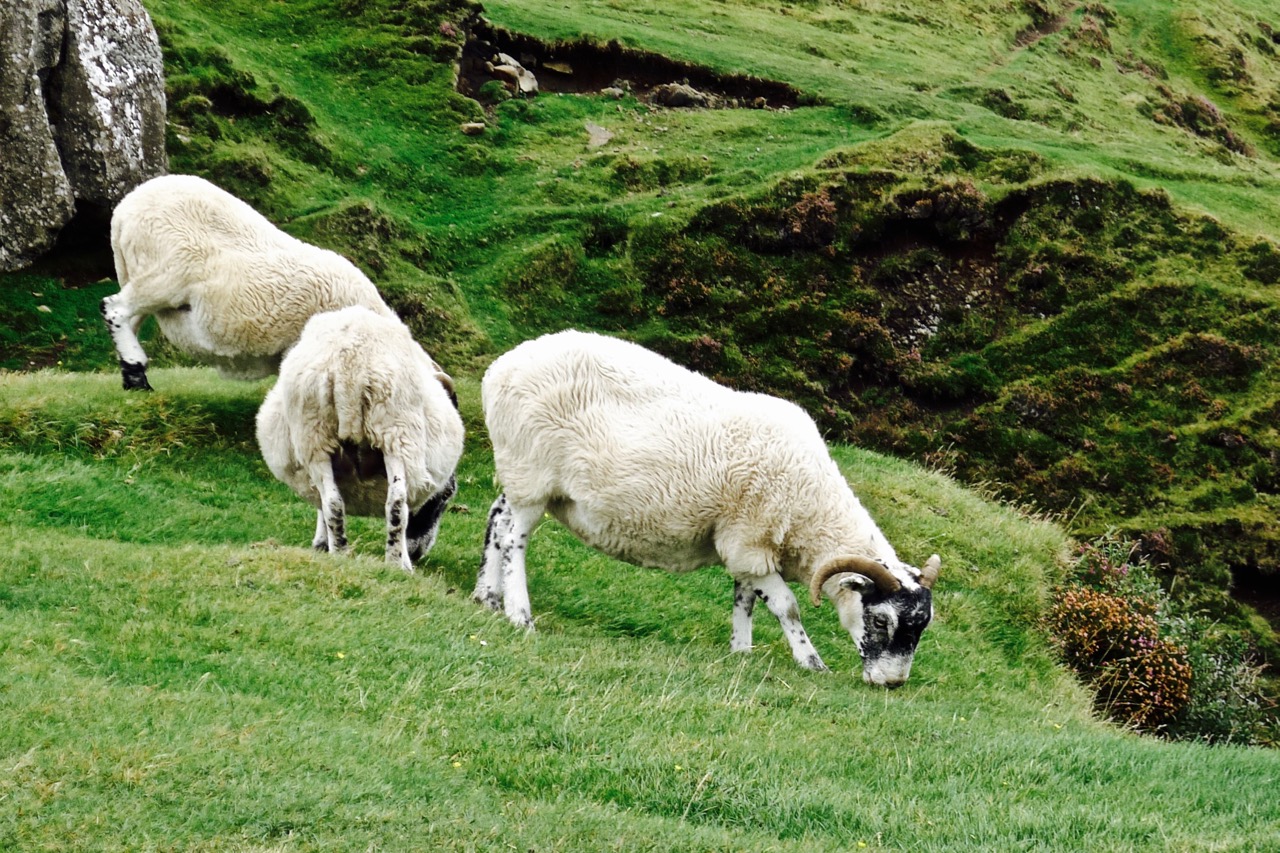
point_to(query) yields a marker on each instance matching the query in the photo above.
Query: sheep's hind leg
(123, 324)
(515, 584)
(777, 596)
(744, 601)
(502, 577)
(489, 579)
(332, 509)
(397, 512)
(320, 541)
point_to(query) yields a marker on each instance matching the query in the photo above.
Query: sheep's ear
(860, 584)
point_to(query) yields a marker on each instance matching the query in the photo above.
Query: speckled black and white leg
(744, 602)
(123, 323)
(777, 596)
(397, 512)
(489, 579)
(332, 508)
(502, 581)
(320, 541)
(515, 584)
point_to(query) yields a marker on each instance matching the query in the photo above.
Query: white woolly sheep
(661, 467)
(224, 284)
(363, 421)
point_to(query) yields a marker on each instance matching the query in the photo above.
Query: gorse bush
(1152, 666)
(1094, 628)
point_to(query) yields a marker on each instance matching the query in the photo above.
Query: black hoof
(135, 377)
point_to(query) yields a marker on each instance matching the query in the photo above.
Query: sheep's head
(884, 611)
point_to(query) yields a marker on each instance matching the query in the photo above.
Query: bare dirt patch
(1043, 24)
(588, 67)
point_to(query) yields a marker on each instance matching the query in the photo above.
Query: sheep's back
(187, 246)
(166, 230)
(258, 301)
(629, 449)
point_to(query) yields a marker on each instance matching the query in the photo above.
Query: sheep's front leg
(123, 323)
(489, 580)
(744, 601)
(332, 509)
(777, 596)
(397, 512)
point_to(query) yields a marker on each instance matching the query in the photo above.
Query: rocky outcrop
(518, 78)
(681, 95)
(82, 114)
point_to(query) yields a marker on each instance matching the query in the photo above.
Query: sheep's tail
(117, 250)
(122, 270)
(351, 404)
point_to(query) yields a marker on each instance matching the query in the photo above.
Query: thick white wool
(359, 378)
(224, 284)
(657, 465)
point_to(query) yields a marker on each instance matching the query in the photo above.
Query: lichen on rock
(82, 114)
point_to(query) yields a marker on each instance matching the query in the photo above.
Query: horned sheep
(661, 467)
(363, 421)
(224, 284)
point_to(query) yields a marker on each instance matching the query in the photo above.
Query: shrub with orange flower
(1114, 644)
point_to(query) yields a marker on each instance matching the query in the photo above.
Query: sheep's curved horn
(881, 576)
(447, 381)
(929, 573)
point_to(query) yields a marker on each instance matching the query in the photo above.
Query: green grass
(49, 322)
(179, 671)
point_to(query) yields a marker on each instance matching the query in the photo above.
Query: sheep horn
(929, 573)
(447, 381)
(881, 576)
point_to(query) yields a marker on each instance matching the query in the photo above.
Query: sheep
(661, 467)
(362, 420)
(224, 284)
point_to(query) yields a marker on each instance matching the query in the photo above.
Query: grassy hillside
(179, 671)
(1033, 243)
(1029, 243)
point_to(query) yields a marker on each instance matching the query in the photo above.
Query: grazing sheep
(363, 421)
(659, 466)
(224, 284)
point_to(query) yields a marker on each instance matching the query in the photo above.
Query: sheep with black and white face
(362, 421)
(661, 467)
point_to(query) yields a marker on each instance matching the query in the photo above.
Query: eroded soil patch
(1043, 23)
(585, 67)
